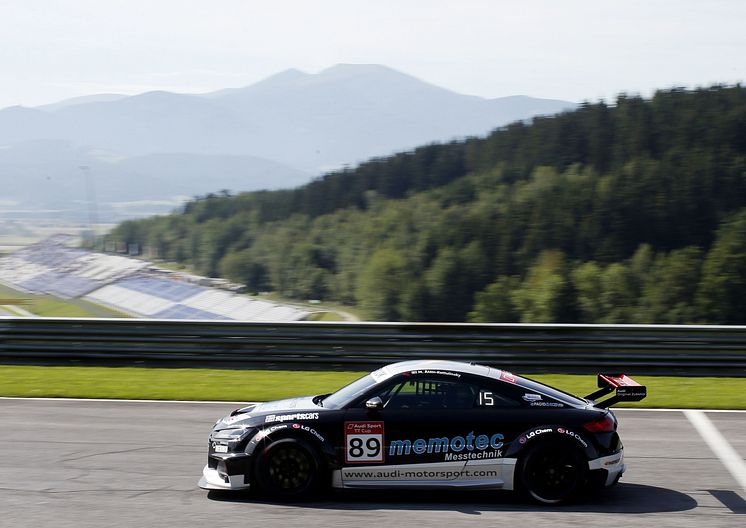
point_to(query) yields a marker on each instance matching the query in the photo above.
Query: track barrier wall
(559, 348)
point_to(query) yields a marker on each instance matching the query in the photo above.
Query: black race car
(425, 424)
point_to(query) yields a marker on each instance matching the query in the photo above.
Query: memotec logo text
(470, 442)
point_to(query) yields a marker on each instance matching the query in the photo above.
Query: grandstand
(169, 298)
(51, 267)
(131, 286)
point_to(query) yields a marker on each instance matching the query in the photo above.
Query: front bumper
(225, 471)
(212, 480)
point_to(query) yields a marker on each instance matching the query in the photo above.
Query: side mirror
(374, 404)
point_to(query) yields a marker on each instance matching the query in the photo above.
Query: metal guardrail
(561, 348)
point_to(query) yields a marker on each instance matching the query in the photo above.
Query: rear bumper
(612, 465)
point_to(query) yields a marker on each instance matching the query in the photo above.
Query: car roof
(443, 365)
(477, 370)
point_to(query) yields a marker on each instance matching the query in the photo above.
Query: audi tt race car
(423, 425)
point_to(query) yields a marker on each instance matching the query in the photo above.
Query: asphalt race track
(70, 463)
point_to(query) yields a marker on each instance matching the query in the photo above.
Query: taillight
(604, 425)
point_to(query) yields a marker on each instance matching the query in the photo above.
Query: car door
(493, 421)
(412, 439)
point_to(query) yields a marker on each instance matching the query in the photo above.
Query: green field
(326, 316)
(263, 385)
(48, 306)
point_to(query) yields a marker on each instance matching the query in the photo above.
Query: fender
(554, 432)
(305, 432)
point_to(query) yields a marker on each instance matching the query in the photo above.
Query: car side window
(429, 393)
(488, 398)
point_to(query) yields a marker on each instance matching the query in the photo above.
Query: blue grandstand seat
(165, 289)
(179, 311)
(61, 284)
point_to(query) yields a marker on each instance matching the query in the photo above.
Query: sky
(574, 50)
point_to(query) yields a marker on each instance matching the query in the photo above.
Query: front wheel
(553, 473)
(288, 469)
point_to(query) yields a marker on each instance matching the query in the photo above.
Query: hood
(278, 411)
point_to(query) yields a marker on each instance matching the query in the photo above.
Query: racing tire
(288, 469)
(552, 473)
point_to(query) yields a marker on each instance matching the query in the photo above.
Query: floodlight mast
(91, 195)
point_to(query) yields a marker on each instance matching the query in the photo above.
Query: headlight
(231, 435)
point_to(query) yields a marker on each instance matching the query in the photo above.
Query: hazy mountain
(18, 124)
(50, 176)
(96, 98)
(349, 113)
(305, 123)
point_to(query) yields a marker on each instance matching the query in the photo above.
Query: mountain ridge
(309, 123)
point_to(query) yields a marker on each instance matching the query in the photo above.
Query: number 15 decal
(363, 442)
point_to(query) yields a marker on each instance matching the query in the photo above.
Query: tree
(619, 294)
(587, 281)
(451, 281)
(382, 283)
(670, 287)
(721, 296)
(495, 303)
(241, 266)
(546, 295)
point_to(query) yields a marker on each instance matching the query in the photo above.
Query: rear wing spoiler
(626, 389)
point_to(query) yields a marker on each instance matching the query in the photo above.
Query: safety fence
(561, 348)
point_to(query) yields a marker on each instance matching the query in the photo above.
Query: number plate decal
(364, 442)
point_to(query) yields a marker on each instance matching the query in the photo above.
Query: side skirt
(478, 474)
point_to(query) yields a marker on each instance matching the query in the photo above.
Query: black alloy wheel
(288, 469)
(553, 473)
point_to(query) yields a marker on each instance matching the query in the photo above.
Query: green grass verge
(165, 383)
(263, 385)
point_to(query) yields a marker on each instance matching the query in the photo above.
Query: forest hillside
(633, 212)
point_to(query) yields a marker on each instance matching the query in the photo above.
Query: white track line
(719, 445)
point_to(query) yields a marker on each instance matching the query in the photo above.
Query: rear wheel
(288, 469)
(553, 473)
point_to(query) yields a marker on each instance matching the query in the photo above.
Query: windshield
(348, 393)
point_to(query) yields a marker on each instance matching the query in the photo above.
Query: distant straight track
(76, 463)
